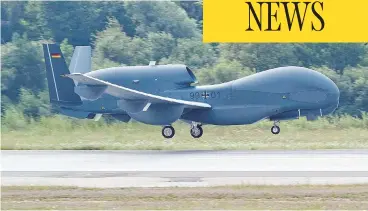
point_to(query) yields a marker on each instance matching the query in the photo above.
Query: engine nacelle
(141, 78)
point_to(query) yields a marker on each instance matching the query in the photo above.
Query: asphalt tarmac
(183, 168)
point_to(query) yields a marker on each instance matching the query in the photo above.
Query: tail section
(61, 89)
(81, 60)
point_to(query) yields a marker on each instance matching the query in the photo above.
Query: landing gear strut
(168, 131)
(275, 129)
(196, 130)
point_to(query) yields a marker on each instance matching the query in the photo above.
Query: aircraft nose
(333, 96)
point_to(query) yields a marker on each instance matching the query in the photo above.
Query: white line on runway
(173, 168)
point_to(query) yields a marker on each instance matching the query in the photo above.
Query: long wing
(131, 94)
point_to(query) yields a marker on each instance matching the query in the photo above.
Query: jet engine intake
(90, 92)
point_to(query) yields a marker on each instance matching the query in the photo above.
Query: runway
(183, 168)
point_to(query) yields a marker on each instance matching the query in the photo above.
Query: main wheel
(275, 130)
(196, 132)
(168, 132)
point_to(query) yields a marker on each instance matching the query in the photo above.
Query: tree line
(134, 33)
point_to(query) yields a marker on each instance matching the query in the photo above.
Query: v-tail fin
(81, 60)
(61, 88)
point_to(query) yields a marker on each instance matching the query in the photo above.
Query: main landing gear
(275, 129)
(168, 131)
(195, 130)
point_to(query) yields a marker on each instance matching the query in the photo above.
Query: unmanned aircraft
(162, 94)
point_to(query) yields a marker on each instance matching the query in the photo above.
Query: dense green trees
(134, 33)
(265, 56)
(353, 85)
(161, 17)
(193, 53)
(21, 67)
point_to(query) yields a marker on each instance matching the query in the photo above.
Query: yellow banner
(285, 21)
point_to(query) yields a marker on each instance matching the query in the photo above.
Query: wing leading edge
(131, 94)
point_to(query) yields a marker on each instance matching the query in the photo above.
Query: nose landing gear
(275, 129)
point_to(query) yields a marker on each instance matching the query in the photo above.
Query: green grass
(59, 132)
(300, 197)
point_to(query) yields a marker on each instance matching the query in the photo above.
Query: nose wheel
(275, 129)
(168, 132)
(196, 131)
